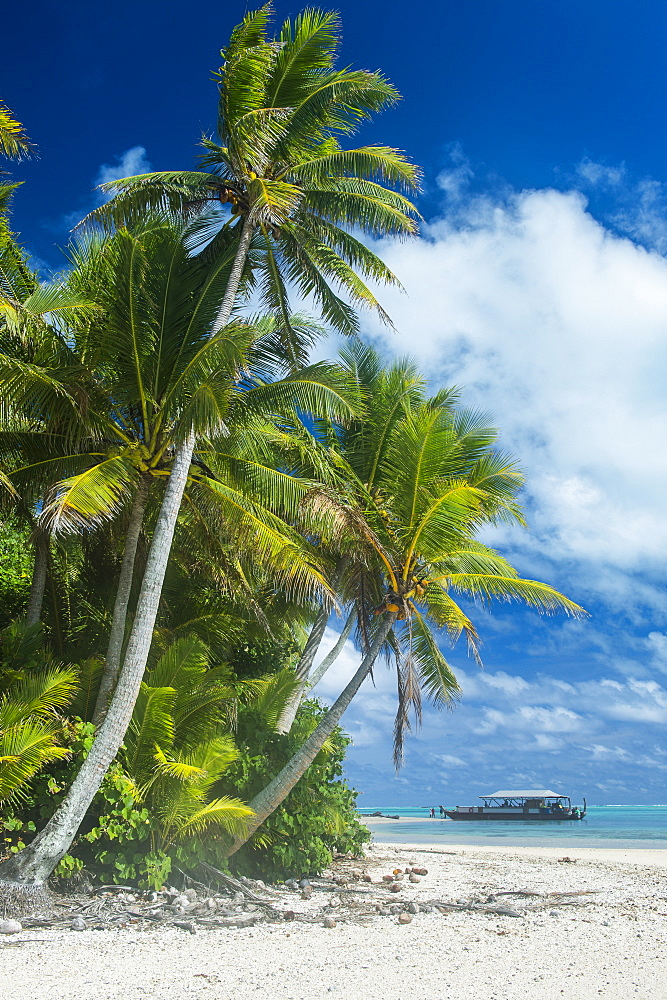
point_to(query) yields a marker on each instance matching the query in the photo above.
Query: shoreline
(649, 857)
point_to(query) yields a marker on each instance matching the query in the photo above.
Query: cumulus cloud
(637, 207)
(558, 326)
(132, 161)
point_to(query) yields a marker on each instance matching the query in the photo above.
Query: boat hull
(511, 816)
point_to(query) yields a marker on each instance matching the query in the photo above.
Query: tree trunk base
(25, 899)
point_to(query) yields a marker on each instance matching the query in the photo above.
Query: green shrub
(316, 820)
(114, 839)
(199, 776)
(16, 559)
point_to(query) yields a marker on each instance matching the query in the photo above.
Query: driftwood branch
(233, 883)
(503, 911)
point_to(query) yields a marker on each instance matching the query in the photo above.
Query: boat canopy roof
(531, 793)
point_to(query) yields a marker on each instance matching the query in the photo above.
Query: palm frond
(447, 615)
(307, 44)
(378, 164)
(226, 812)
(24, 750)
(183, 663)
(152, 725)
(437, 677)
(88, 681)
(14, 142)
(272, 695)
(409, 700)
(90, 497)
(531, 592)
(37, 695)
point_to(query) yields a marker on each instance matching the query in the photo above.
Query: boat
(530, 804)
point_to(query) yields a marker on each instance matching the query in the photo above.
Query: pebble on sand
(10, 927)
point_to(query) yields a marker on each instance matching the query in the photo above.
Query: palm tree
(281, 167)
(389, 394)
(133, 385)
(25, 337)
(438, 480)
(294, 190)
(14, 143)
(148, 382)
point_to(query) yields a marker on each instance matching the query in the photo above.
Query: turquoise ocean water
(604, 826)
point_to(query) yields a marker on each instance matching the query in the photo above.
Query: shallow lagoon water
(615, 826)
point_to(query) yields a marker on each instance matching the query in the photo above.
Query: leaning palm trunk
(33, 613)
(307, 658)
(312, 676)
(318, 673)
(302, 670)
(29, 869)
(268, 800)
(112, 663)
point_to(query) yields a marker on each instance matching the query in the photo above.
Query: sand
(609, 944)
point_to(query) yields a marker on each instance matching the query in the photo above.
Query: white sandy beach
(609, 942)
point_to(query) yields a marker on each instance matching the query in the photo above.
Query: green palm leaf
(532, 592)
(37, 696)
(447, 615)
(307, 44)
(152, 725)
(90, 497)
(182, 665)
(24, 750)
(438, 680)
(273, 694)
(13, 140)
(225, 811)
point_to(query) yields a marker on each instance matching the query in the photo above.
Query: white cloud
(455, 179)
(598, 750)
(559, 328)
(656, 644)
(638, 207)
(450, 760)
(510, 686)
(132, 161)
(546, 702)
(600, 174)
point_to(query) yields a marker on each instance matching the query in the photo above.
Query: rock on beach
(10, 926)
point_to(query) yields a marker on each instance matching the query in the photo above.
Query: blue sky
(538, 284)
